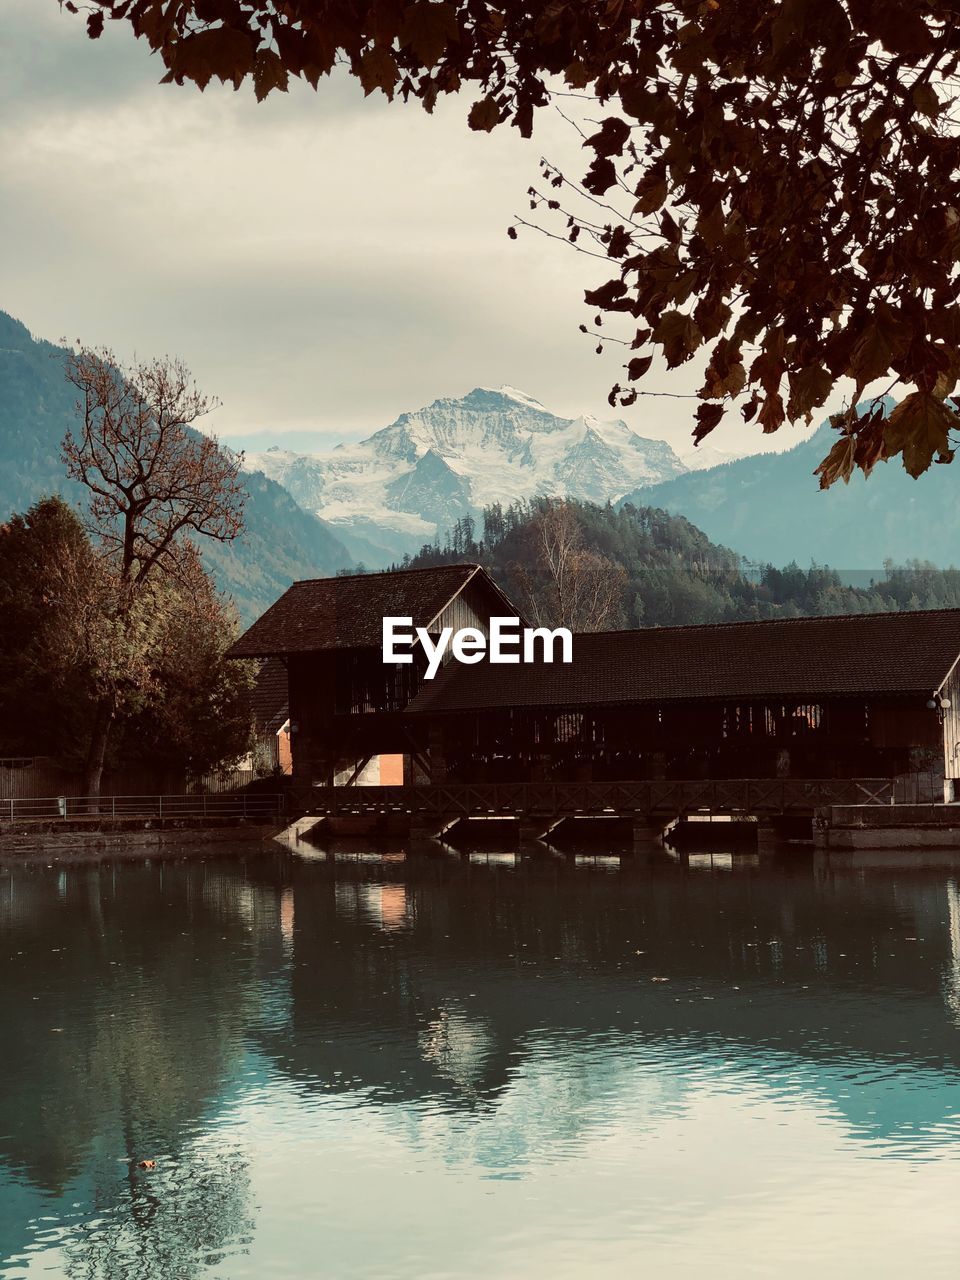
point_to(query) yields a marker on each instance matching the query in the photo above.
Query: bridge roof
(347, 612)
(882, 653)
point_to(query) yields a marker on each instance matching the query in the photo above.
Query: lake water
(379, 1066)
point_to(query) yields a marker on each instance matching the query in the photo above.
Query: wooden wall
(837, 737)
(474, 606)
(951, 726)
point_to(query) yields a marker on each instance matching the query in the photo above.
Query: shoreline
(131, 839)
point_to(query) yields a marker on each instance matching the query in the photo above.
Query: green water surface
(381, 1065)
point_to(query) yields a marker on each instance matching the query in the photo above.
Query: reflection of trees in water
(172, 1222)
(458, 1046)
(126, 994)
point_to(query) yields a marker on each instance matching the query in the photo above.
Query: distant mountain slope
(666, 572)
(281, 541)
(395, 490)
(769, 507)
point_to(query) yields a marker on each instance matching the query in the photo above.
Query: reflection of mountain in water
(495, 1019)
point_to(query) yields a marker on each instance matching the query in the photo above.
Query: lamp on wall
(939, 704)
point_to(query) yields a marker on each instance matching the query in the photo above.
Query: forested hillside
(595, 567)
(281, 541)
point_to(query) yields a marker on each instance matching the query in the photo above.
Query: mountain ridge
(281, 541)
(771, 509)
(402, 485)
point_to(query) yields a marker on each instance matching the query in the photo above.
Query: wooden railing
(738, 795)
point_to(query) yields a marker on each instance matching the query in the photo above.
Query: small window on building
(792, 720)
(568, 727)
(737, 720)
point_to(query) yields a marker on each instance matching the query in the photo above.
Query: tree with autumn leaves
(114, 633)
(155, 485)
(772, 185)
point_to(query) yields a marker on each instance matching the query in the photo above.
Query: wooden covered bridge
(773, 717)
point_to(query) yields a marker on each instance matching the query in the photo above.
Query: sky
(321, 261)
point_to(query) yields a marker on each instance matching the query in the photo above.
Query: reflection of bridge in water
(444, 979)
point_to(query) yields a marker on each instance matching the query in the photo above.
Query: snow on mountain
(396, 489)
(703, 457)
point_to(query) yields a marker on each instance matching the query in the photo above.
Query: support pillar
(436, 752)
(768, 839)
(647, 834)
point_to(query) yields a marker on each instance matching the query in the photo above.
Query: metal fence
(241, 805)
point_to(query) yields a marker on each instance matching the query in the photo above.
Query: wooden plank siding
(951, 725)
(833, 737)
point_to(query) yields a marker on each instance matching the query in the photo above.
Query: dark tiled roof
(269, 697)
(348, 612)
(885, 653)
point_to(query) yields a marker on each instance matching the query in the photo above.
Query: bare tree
(558, 543)
(595, 592)
(154, 482)
(572, 587)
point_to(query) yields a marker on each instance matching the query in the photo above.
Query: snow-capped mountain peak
(512, 393)
(403, 484)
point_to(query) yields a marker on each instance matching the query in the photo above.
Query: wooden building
(871, 695)
(854, 696)
(346, 706)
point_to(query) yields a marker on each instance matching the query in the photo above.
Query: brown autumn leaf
(708, 417)
(576, 75)
(601, 176)
(611, 137)
(378, 70)
(651, 192)
(882, 339)
(484, 115)
(428, 28)
(838, 464)
(219, 52)
(268, 73)
(869, 442)
(918, 429)
(771, 413)
(726, 375)
(678, 335)
(809, 389)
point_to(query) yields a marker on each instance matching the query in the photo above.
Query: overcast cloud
(321, 261)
